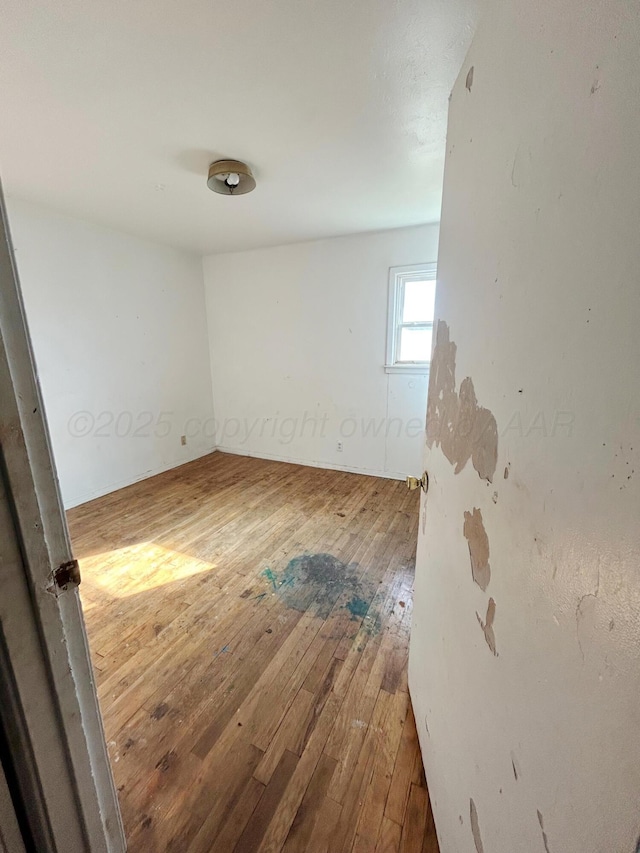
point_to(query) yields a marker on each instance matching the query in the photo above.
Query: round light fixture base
(230, 177)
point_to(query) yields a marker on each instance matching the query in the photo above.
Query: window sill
(422, 369)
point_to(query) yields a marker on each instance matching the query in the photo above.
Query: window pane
(415, 344)
(419, 299)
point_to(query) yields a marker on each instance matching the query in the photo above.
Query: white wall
(118, 327)
(539, 268)
(297, 336)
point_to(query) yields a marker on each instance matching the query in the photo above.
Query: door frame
(53, 723)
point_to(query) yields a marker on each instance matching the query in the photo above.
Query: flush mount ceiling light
(230, 177)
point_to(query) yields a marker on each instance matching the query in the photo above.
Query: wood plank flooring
(249, 624)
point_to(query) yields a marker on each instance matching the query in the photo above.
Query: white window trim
(397, 276)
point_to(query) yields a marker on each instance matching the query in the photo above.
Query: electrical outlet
(339, 447)
(183, 440)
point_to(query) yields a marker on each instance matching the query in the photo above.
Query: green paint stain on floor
(357, 607)
(322, 582)
(271, 576)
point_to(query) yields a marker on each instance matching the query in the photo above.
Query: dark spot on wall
(637, 850)
(506, 472)
(146, 822)
(455, 422)
(515, 767)
(476, 536)
(475, 827)
(545, 840)
(246, 593)
(487, 626)
(341, 514)
(469, 80)
(157, 629)
(159, 711)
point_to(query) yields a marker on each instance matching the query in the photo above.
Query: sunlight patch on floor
(138, 568)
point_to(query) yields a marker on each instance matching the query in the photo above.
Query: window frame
(398, 276)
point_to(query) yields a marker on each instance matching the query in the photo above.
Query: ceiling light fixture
(230, 177)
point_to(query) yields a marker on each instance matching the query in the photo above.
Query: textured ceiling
(112, 111)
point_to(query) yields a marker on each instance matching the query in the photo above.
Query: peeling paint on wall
(487, 626)
(455, 422)
(475, 827)
(476, 536)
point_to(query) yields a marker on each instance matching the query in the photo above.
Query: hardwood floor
(249, 625)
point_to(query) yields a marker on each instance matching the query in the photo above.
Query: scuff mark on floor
(159, 711)
(487, 626)
(476, 535)
(455, 422)
(475, 827)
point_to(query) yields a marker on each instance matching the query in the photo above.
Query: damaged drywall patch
(476, 536)
(475, 827)
(455, 422)
(487, 626)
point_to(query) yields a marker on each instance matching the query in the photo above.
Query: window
(412, 294)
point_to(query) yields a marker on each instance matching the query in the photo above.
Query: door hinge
(66, 575)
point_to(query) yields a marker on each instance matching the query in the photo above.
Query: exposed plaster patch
(455, 422)
(544, 834)
(476, 536)
(469, 80)
(487, 627)
(475, 827)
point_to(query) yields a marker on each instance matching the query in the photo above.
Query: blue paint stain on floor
(319, 581)
(272, 577)
(357, 607)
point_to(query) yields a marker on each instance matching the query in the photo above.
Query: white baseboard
(331, 466)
